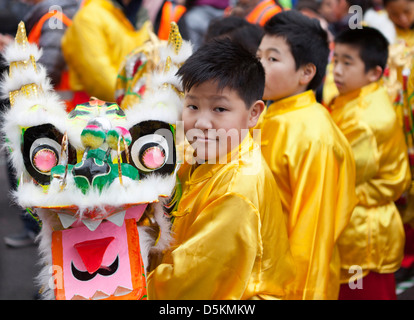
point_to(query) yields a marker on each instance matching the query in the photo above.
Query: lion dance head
(101, 178)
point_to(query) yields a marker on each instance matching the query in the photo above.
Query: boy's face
(333, 10)
(214, 119)
(282, 78)
(401, 13)
(349, 69)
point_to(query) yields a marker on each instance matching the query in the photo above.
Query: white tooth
(121, 291)
(66, 219)
(99, 295)
(117, 218)
(91, 224)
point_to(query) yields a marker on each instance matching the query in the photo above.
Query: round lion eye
(44, 155)
(153, 157)
(44, 159)
(150, 152)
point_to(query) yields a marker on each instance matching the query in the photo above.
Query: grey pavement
(19, 266)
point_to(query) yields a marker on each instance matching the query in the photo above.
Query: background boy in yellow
(308, 155)
(229, 232)
(374, 238)
(401, 13)
(97, 42)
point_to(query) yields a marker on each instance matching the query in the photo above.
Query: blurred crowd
(85, 41)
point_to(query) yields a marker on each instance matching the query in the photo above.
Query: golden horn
(167, 66)
(174, 38)
(21, 40)
(21, 37)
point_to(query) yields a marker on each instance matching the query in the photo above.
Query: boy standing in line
(229, 232)
(310, 158)
(374, 238)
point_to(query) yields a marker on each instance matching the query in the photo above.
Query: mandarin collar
(341, 100)
(201, 172)
(292, 103)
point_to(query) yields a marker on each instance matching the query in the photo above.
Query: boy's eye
(220, 109)
(192, 107)
(272, 59)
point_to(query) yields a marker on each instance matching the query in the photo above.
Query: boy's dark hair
(372, 45)
(223, 25)
(307, 40)
(228, 64)
(237, 29)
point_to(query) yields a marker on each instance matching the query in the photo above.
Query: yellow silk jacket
(329, 91)
(396, 58)
(407, 212)
(95, 45)
(406, 35)
(374, 238)
(315, 172)
(230, 237)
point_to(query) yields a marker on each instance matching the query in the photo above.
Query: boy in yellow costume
(401, 13)
(309, 156)
(400, 83)
(95, 45)
(374, 238)
(229, 232)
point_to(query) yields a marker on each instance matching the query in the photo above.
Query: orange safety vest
(263, 12)
(170, 12)
(63, 88)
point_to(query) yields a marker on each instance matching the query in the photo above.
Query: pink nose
(153, 158)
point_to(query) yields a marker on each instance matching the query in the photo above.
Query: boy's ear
(307, 74)
(254, 113)
(374, 74)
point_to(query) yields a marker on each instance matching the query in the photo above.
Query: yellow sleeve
(322, 182)
(216, 258)
(365, 150)
(393, 176)
(88, 55)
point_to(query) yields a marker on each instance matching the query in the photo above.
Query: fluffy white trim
(146, 237)
(16, 52)
(44, 278)
(21, 77)
(146, 242)
(164, 223)
(158, 79)
(185, 52)
(19, 116)
(145, 190)
(164, 105)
